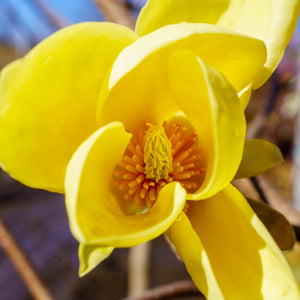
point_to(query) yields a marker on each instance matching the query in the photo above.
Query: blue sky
(23, 24)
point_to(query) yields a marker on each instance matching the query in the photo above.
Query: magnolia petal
(231, 247)
(112, 141)
(93, 208)
(213, 108)
(245, 95)
(140, 73)
(272, 21)
(48, 100)
(156, 14)
(90, 256)
(258, 157)
(188, 245)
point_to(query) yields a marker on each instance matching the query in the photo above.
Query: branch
(178, 288)
(138, 268)
(278, 202)
(116, 12)
(272, 196)
(258, 124)
(246, 187)
(34, 284)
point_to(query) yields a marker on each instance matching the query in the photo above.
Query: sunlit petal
(245, 95)
(213, 108)
(49, 97)
(90, 256)
(188, 245)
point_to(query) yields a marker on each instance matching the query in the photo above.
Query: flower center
(154, 157)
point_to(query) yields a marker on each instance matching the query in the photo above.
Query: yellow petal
(188, 245)
(258, 157)
(156, 14)
(272, 21)
(245, 95)
(90, 256)
(93, 209)
(140, 74)
(48, 100)
(226, 243)
(213, 108)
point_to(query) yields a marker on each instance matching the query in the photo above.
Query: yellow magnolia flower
(144, 135)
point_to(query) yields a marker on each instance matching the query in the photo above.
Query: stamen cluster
(131, 176)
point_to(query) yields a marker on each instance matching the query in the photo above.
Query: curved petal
(156, 14)
(213, 108)
(93, 210)
(258, 157)
(139, 75)
(48, 100)
(90, 256)
(272, 21)
(188, 245)
(245, 95)
(115, 139)
(225, 241)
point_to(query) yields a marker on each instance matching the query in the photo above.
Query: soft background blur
(38, 219)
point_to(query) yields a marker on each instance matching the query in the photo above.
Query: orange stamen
(187, 166)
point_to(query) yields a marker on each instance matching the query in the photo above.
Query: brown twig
(245, 186)
(178, 288)
(278, 202)
(116, 12)
(256, 125)
(273, 197)
(34, 284)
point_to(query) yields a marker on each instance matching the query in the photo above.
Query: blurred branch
(34, 284)
(256, 126)
(259, 190)
(116, 12)
(246, 187)
(273, 198)
(278, 202)
(296, 157)
(138, 269)
(178, 288)
(57, 19)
